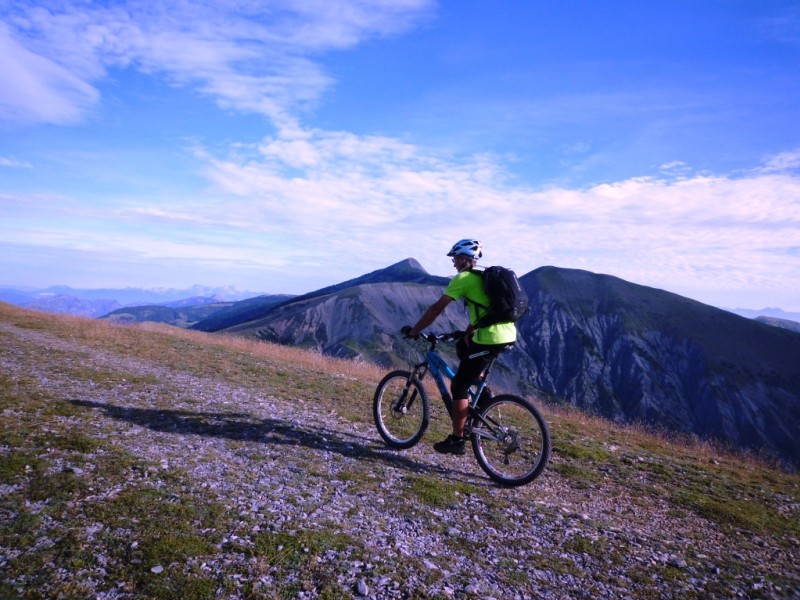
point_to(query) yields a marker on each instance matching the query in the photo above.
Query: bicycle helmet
(471, 248)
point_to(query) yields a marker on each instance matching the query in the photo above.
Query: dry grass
(272, 352)
(101, 333)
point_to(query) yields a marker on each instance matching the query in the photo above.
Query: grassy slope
(47, 443)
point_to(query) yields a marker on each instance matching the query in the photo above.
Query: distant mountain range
(772, 313)
(98, 302)
(784, 323)
(613, 348)
(102, 301)
(211, 313)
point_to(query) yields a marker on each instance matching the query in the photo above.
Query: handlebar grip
(405, 329)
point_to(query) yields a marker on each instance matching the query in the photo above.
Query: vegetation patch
(581, 544)
(436, 492)
(302, 560)
(735, 512)
(296, 548)
(580, 476)
(18, 462)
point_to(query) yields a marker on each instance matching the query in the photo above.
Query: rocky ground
(132, 473)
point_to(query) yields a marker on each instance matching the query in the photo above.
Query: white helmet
(471, 248)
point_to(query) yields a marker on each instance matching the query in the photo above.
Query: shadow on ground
(244, 427)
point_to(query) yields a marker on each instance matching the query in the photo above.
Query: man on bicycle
(479, 345)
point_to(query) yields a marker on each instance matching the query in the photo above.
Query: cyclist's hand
(406, 331)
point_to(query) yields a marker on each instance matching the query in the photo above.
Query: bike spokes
(511, 440)
(400, 409)
(405, 402)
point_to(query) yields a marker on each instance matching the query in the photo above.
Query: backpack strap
(478, 305)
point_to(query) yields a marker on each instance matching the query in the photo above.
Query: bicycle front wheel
(401, 409)
(511, 440)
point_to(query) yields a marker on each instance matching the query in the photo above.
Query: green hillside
(155, 462)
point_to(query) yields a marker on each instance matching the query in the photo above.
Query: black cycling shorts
(474, 359)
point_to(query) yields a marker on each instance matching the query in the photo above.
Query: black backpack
(507, 300)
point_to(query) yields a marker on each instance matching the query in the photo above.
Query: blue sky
(284, 146)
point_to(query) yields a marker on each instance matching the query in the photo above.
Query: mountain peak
(406, 271)
(404, 266)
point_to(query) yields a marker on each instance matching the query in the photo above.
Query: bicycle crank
(511, 441)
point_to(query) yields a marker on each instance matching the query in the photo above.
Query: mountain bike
(510, 438)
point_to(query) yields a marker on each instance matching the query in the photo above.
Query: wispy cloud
(13, 163)
(779, 163)
(36, 88)
(784, 27)
(51, 58)
(384, 200)
(334, 205)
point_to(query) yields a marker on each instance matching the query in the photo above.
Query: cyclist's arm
(430, 315)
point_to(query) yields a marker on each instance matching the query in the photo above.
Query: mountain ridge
(632, 353)
(775, 313)
(610, 347)
(406, 271)
(613, 348)
(159, 296)
(101, 301)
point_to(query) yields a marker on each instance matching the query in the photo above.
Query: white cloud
(247, 56)
(35, 88)
(784, 161)
(338, 193)
(333, 205)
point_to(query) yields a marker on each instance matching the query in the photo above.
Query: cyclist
(478, 347)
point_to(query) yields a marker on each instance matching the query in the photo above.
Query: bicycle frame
(509, 437)
(439, 370)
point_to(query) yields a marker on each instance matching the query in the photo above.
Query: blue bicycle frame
(439, 369)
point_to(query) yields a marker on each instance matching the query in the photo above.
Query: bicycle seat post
(488, 369)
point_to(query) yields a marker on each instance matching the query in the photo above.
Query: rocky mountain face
(612, 348)
(362, 322)
(407, 271)
(633, 353)
(358, 319)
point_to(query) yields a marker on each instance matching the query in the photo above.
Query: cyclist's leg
(469, 369)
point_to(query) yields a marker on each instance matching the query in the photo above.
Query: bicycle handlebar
(436, 337)
(443, 337)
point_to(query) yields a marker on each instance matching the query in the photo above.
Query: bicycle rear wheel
(511, 440)
(401, 409)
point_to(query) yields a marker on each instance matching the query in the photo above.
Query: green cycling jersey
(469, 285)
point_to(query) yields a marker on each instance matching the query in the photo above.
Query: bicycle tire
(403, 428)
(524, 450)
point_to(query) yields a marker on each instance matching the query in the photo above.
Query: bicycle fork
(405, 401)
